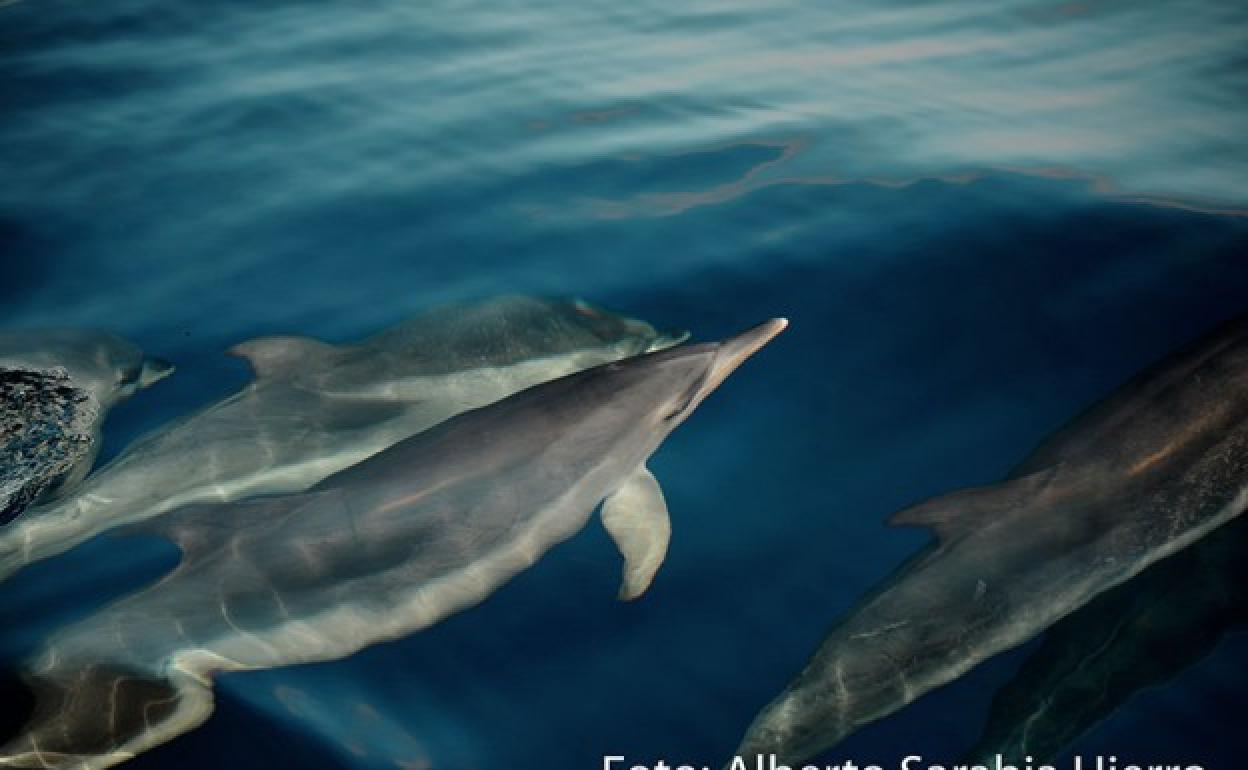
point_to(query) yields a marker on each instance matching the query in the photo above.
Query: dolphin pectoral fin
(957, 513)
(100, 715)
(275, 356)
(635, 516)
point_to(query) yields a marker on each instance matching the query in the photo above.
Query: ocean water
(978, 217)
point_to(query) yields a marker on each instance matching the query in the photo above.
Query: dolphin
(1141, 475)
(315, 408)
(100, 367)
(1140, 634)
(428, 527)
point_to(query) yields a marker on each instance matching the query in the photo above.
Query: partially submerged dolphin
(100, 367)
(1146, 472)
(428, 527)
(1140, 634)
(316, 408)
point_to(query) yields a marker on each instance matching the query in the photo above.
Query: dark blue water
(979, 217)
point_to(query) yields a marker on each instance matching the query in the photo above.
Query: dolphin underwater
(99, 368)
(1141, 475)
(1140, 634)
(423, 529)
(316, 408)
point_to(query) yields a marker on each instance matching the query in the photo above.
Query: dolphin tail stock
(100, 699)
(99, 715)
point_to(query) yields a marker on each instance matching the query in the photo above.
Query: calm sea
(979, 217)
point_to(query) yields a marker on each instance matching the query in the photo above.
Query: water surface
(978, 217)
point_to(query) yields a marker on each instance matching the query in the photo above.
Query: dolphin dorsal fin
(635, 516)
(276, 356)
(200, 527)
(955, 514)
(189, 527)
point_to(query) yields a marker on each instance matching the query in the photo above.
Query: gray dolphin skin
(1146, 472)
(316, 408)
(105, 367)
(1140, 634)
(426, 528)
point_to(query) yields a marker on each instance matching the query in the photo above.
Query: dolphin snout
(154, 370)
(726, 356)
(730, 353)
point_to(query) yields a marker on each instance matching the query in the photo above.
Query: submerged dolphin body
(315, 409)
(426, 528)
(1146, 472)
(101, 366)
(1140, 634)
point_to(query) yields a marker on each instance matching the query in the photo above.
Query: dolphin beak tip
(733, 351)
(154, 370)
(749, 342)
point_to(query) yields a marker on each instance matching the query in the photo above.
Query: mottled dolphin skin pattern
(1141, 634)
(104, 366)
(1143, 474)
(316, 408)
(46, 427)
(426, 528)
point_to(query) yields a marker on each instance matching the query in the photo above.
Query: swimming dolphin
(104, 367)
(316, 408)
(1143, 474)
(1140, 634)
(426, 528)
